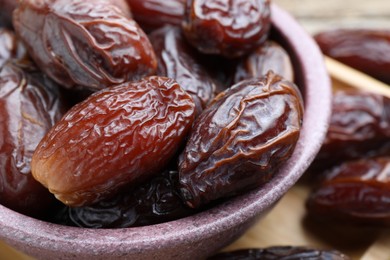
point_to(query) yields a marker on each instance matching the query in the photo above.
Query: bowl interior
(199, 235)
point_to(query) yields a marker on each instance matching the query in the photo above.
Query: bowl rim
(38, 234)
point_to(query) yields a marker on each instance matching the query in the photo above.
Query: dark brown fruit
(84, 44)
(117, 137)
(359, 127)
(355, 191)
(281, 253)
(10, 47)
(367, 50)
(240, 140)
(229, 28)
(28, 109)
(154, 14)
(151, 203)
(178, 60)
(270, 56)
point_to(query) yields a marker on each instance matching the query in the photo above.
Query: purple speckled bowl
(200, 235)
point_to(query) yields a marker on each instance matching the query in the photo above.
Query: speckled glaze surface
(200, 235)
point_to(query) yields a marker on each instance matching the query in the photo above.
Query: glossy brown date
(154, 14)
(178, 60)
(281, 253)
(151, 203)
(367, 50)
(229, 28)
(117, 137)
(359, 127)
(28, 109)
(84, 44)
(355, 190)
(239, 141)
(10, 47)
(269, 56)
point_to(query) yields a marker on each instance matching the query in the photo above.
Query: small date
(239, 141)
(366, 50)
(117, 137)
(229, 28)
(84, 44)
(281, 253)
(269, 56)
(359, 127)
(28, 110)
(153, 202)
(10, 47)
(154, 14)
(354, 191)
(178, 60)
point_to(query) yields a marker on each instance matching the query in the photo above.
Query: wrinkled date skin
(238, 142)
(117, 137)
(10, 47)
(270, 56)
(359, 127)
(229, 28)
(84, 44)
(178, 60)
(6, 9)
(154, 14)
(281, 253)
(364, 49)
(355, 190)
(28, 110)
(154, 202)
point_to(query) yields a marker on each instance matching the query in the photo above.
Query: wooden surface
(287, 223)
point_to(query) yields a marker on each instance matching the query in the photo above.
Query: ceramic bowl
(200, 235)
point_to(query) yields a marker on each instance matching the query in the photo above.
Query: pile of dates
(120, 113)
(353, 164)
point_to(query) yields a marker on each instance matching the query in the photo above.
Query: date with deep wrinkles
(117, 137)
(240, 140)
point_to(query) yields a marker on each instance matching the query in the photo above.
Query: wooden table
(287, 223)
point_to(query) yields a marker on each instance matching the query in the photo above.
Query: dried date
(239, 141)
(281, 253)
(178, 60)
(367, 50)
(228, 28)
(117, 137)
(359, 127)
(354, 191)
(151, 203)
(269, 56)
(84, 44)
(154, 14)
(10, 47)
(28, 110)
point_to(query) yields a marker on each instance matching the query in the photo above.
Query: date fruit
(178, 60)
(154, 14)
(280, 253)
(355, 190)
(28, 109)
(10, 47)
(84, 44)
(117, 137)
(359, 127)
(270, 56)
(239, 141)
(367, 50)
(230, 28)
(154, 202)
